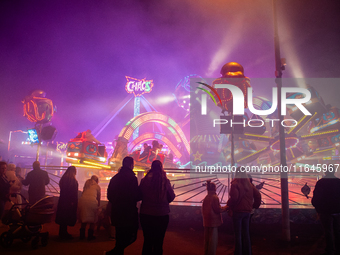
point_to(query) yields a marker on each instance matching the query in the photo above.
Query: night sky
(79, 52)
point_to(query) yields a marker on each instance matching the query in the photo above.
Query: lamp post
(283, 175)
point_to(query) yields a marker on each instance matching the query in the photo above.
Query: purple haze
(79, 52)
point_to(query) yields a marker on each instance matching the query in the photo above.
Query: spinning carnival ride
(313, 140)
(82, 153)
(174, 139)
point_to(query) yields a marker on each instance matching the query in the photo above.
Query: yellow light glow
(322, 133)
(179, 175)
(138, 170)
(324, 150)
(262, 136)
(97, 164)
(86, 166)
(312, 118)
(297, 124)
(72, 159)
(252, 154)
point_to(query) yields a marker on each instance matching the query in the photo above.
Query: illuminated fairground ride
(314, 140)
(91, 157)
(174, 140)
(81, 152)
(169, 141)
(311, 140)
(39, 110)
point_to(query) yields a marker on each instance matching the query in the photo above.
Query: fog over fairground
(79, 52)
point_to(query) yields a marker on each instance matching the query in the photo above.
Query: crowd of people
(11, 183)
(243, 198)
(123, 193)
(156, 193)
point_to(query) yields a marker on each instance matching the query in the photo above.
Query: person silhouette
(123, 194)
(37, 179)
(326, 200)
(156, 193)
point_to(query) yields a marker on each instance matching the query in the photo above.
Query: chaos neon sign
(138, 86)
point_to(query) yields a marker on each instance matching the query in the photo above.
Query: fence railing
(190, 187)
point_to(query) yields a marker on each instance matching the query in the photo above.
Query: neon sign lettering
(61, 147)
(138, 86)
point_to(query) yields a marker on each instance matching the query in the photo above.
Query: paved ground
(307, 239)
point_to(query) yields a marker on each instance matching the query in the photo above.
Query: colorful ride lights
(321, 133)
(332, 122)
(85, 166)
(72, 160)
(73, 154)
(81, 155)
(291, 142)
(38, 108)
(96, 164)
(301, 158)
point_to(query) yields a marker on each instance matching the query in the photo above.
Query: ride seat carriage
(148, 158)
(80, 149)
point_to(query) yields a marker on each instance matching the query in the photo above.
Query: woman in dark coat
(243, 198)
(157, 193)
(68, 202)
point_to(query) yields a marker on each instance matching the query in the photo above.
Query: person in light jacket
(88, 206)
(156, 193)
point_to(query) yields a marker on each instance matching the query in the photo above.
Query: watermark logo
(238, 99)
(238, 106)
(251, 115)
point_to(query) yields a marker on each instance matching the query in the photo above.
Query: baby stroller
(25, 222)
